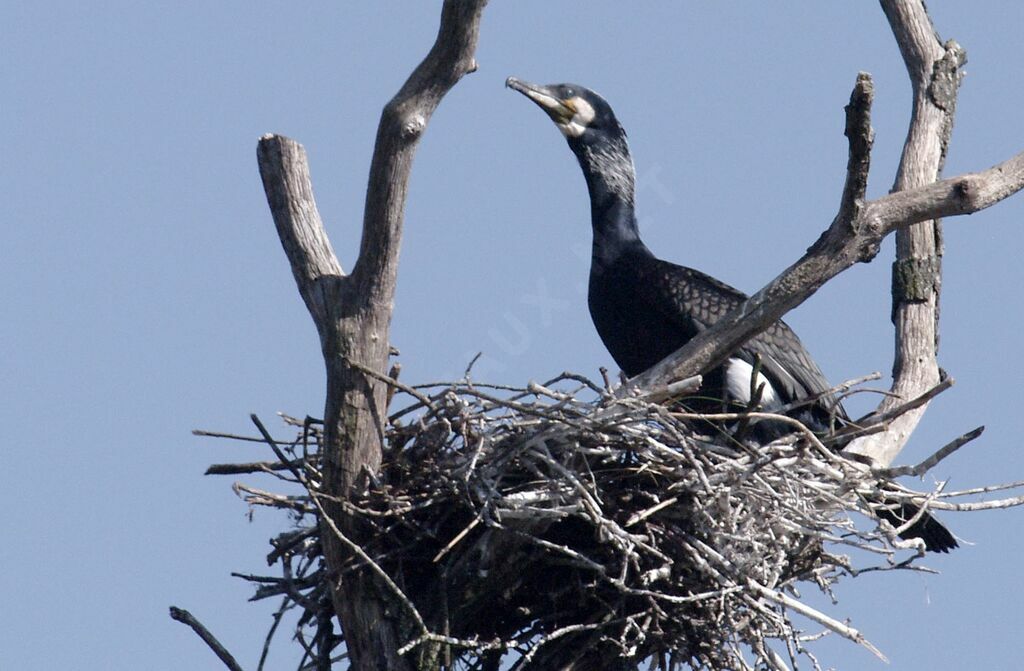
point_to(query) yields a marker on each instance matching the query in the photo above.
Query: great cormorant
(645, 308)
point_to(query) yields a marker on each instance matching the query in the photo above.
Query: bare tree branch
(920, 469)
(286, 181)
(844, 244)
(353, 313)
(254, 467)
(861, 136)
(965, 194)
(185, 617)
(854, 236)
(402, 123)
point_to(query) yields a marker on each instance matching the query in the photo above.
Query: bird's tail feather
(936, 537)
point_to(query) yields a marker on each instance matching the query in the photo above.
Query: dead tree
(352, 311)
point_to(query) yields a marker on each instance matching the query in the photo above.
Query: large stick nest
(559, 527)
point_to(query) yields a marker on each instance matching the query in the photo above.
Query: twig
(252, 467)
(271, 499)
(641, 516)
(998, 504)
(286, 603)
(929, 463)
(277, 450)
(229, 436)
(373, 566)
(455, 541)
(810, 613)
(879, 417)
(209, 639)
(678, 388)
(392, 382)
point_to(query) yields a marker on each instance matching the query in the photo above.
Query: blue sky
(147, 294)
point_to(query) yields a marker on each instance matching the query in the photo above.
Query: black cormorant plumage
(645, 308)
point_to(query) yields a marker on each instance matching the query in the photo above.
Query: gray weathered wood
(286, 181)
(353, 312)
(935, 74)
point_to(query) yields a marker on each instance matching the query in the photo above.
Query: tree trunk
(353, 313)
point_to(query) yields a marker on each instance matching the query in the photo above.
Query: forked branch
(353, 312)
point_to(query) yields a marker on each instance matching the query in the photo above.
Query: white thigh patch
(737, 384)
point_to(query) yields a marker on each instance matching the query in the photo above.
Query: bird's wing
(685, 295)
(784, 358)
(697, 301)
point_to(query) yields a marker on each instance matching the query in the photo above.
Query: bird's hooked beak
(560, 111)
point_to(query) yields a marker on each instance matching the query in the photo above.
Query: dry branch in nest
(555, 525)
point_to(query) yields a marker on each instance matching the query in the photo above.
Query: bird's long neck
(608, 168)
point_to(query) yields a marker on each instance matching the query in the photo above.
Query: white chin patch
(737, 385)
(579, 122)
